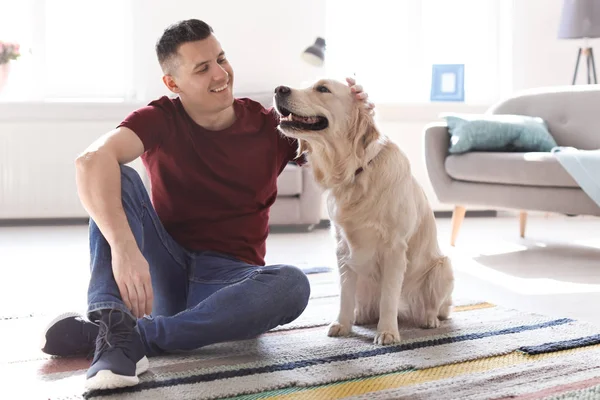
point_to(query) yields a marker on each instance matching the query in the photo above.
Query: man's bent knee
(130, 177)
(295, 288)
(133, 190)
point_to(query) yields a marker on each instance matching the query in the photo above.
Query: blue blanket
(583, 166)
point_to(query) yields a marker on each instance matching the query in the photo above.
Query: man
(193, 258)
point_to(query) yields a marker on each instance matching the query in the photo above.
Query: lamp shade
(315, 54)
(580, 19)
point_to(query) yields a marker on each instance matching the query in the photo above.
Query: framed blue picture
(448, 82)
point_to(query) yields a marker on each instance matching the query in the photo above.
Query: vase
(4, 72)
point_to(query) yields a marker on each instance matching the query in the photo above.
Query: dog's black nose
(282, 90)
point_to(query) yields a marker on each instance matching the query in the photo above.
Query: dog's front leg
(343, 325)
(393, 267)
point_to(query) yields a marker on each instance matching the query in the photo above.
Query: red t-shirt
(212, 190)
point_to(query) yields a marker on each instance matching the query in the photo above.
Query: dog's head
(325, 115)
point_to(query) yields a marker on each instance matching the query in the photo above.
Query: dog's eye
(322, 89)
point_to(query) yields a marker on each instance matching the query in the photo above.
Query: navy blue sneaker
(69, 335)
(120, 355)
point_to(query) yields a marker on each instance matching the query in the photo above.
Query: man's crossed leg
(200, 298)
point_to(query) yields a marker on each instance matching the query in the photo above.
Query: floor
(554, 270)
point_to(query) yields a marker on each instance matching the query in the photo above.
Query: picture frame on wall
(448, 82)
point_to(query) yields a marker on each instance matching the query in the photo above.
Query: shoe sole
(106, 379)
(54, 322)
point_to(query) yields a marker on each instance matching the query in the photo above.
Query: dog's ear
(363, 130)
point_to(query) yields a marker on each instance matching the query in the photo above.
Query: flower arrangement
(9, 51)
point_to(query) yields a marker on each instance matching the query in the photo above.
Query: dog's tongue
(306, 120)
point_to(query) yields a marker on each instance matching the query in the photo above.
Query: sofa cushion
(532, 169)
(473, 132)
(289, 182)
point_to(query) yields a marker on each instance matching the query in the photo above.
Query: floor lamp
(580, 19)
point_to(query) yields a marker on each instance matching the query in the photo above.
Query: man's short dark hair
(175, 35)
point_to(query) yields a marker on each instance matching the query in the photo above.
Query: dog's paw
(336, 329)
(386, 338)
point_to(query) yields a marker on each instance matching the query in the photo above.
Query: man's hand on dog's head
(360, 94)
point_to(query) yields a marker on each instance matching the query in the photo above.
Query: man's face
(203, 77)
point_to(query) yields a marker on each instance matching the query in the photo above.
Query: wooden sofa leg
(457, 218)
(522, 222)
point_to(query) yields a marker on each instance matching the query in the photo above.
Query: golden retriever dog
(389, 261)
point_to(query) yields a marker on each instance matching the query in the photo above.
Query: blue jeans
(200, 297)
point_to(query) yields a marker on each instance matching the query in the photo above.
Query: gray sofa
(299, 199)
(519, 181)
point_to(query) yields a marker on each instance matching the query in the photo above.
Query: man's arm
(98, 178)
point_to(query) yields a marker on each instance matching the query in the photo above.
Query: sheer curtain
(391, 46)
(72, 49)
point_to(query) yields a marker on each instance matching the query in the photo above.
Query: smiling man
(186, 269)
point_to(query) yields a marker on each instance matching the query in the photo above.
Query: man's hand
(360, 94)
(132, 274)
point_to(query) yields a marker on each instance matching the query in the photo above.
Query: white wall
(263, 40)
(539, 58)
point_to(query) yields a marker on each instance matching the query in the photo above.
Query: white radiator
(37, 170)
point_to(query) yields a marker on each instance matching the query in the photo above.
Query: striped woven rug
(483, 352)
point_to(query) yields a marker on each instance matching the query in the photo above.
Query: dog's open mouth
(300, 122)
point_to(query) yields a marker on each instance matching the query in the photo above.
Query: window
(70, 49)
(16, 27)
(390, 46)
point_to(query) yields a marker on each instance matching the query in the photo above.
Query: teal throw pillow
(498, 132)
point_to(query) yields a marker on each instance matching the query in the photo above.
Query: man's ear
(364, 131)
(170, 83)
